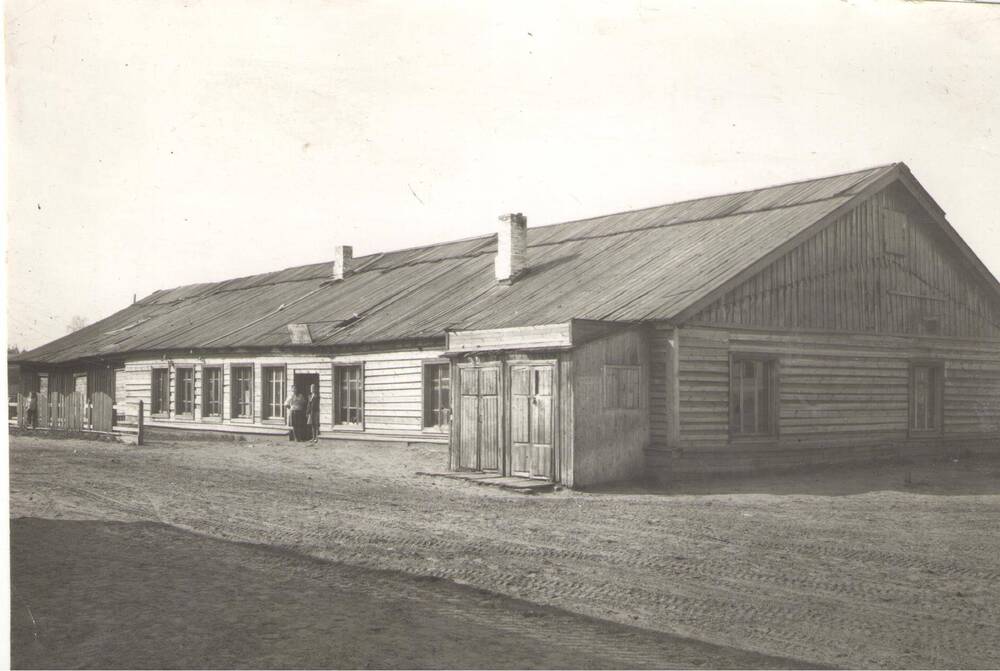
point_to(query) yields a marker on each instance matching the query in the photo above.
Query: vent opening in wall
(894, 232)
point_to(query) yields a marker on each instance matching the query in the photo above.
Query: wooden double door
(507, 425)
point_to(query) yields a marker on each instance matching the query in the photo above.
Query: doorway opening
(304, 381)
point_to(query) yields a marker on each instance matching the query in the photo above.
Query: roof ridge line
(720, 195)
(487, 236)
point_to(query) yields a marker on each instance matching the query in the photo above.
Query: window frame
(606, 379)
(337, 423)
(205, 403)
(266, 389)
(424, 397)
(251, 406)
(177, 413)
(937, 386)
(771, 369)
(161, 409)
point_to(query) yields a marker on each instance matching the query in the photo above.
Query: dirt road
(849, 569)
(146, 595)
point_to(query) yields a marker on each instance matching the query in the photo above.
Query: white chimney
(512, 248)
(342, 255)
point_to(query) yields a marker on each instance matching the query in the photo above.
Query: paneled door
(531, 449)
(479, 405)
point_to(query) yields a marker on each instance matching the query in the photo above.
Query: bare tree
(76, 323)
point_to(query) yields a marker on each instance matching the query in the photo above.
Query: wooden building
(827, 320)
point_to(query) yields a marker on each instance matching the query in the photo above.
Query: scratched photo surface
(515, 335)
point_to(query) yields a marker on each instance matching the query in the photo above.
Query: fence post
(139, 440)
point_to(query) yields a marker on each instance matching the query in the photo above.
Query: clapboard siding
(834, 390)
(393, 393)
(658, 352)
(883, 268)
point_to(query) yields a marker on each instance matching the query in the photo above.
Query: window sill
(241, 420)
(757, 439)
(356, 428)
(212, 420)
(436, 430)
(274, 422)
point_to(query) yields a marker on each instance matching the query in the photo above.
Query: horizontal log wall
(883, 268)
(658, 352)
(840, 395)
(393, 391)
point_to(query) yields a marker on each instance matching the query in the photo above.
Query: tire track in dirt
(580, 595)
(689, 567)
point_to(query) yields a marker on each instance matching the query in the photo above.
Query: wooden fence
(69, 412)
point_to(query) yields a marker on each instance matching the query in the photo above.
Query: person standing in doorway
(312, 414)
(296, 404)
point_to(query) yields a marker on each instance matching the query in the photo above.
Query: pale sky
(154, 143)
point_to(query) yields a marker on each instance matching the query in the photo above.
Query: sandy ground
(83, 590)
(852, 568)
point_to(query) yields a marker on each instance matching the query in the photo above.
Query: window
(242, 394)
(348, 395)
(274, 393)
(926, 396)
(184, 395)
(752, 396)
(160, 392)
(621, 387)
(437, 396)
(211, 392)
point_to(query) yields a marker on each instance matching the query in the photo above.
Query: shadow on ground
(944, 477)
(145, 595)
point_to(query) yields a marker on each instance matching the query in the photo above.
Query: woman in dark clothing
(312, 414)
(296, 404)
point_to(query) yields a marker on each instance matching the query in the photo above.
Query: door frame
(507, 415)
(456, 435)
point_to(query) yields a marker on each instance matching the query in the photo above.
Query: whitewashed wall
(393, 391)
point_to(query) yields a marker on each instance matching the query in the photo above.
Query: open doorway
(304, 381)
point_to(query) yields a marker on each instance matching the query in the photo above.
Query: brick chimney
(512, 248)
(342, 255)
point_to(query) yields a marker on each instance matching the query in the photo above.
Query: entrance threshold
(522, 485)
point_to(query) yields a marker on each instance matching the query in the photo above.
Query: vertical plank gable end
(760, 264)
(858, 276)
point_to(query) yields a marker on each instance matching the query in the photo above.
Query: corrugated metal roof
(632, 266)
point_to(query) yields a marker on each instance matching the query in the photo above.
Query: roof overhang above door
(564, 335)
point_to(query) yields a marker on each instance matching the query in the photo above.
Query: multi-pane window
(242, 392)
(753, 396)
(160, 391)
(437, 396)
(274, 393)
(926, 396)
(621, 387)
(211, 391)
(348, 395)
(184, 395)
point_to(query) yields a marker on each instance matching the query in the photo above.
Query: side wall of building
(610, 380)
(839, 397)
(393, 392)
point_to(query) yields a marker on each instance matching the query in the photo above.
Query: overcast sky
(158, 143)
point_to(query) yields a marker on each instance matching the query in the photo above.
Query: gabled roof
(649, 264)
